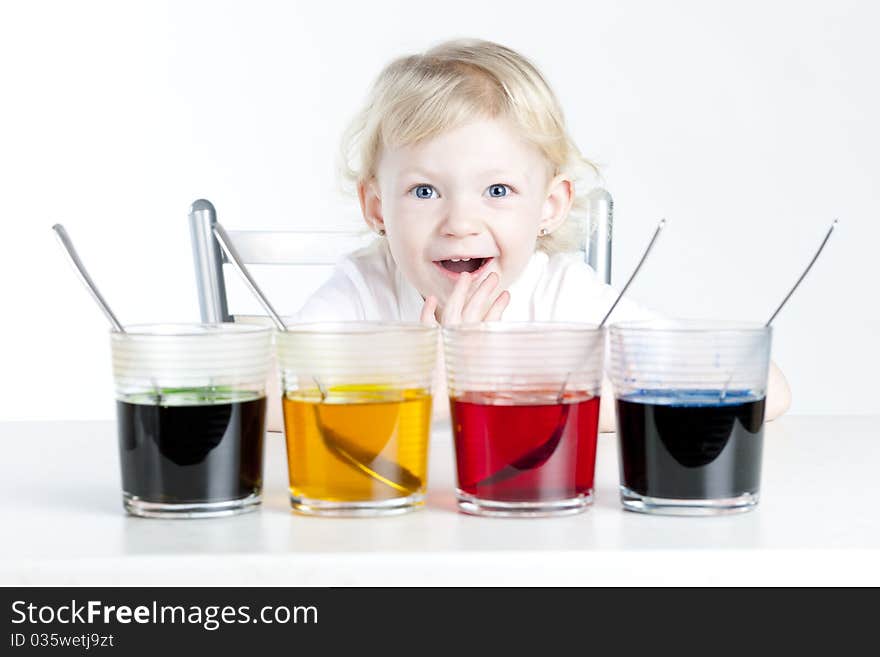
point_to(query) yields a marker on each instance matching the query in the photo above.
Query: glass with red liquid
(524, 400)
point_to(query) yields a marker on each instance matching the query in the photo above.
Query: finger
(428, 311)
(476, 283)
(475, 308)
(497, 308)
(452, 309)
(482, 298)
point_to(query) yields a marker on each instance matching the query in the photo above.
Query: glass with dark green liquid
(191, 450)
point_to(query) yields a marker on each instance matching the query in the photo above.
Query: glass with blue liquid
(690, 399)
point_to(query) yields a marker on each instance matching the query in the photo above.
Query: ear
(371, 204)
(560, 196)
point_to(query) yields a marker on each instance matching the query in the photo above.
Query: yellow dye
(357, 443)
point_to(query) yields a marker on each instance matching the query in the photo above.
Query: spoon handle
(635, 271)
(809, 267)
(232, 254)
(64, 238)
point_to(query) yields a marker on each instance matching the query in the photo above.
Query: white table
(818, 523)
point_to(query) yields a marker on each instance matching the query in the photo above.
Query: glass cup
(191, 402)
(357, 415)
(524, 402)
(690, 414)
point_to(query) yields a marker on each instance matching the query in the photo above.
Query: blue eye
(498, 191)
(424, 191)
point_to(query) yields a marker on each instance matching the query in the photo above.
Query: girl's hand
(471, 301)
(428, 311)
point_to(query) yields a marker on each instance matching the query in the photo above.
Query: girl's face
(471, 199)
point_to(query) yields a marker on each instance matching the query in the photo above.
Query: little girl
(465, 171)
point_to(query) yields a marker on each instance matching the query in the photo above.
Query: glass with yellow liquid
(357, 414)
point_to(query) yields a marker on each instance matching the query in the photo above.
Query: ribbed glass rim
(685, 325)
(522, 327)
(190, 330)
(355, 327)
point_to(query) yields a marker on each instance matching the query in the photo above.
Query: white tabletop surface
(818, 523)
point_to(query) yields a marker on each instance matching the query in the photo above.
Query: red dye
(510, 450)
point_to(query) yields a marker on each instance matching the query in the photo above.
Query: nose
(461, 220)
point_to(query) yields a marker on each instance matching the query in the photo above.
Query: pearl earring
(543, 232)
(381, 232)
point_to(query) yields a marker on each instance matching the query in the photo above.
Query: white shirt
(368, 285)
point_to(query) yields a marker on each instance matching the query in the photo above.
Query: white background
(748, 125)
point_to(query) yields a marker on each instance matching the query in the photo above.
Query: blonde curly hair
(419, 96)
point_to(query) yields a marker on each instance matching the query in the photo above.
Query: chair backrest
(323, 247)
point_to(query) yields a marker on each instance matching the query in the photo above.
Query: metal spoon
(788, 296)
(231, 252)
(539, 455)
(374, 466)
(560, 396)
(635, 271)
(534, 458)
(64, 238)
(802, 276)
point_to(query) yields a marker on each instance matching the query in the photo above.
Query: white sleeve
(337, 300)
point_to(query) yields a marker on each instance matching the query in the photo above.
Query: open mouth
(455, 266)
